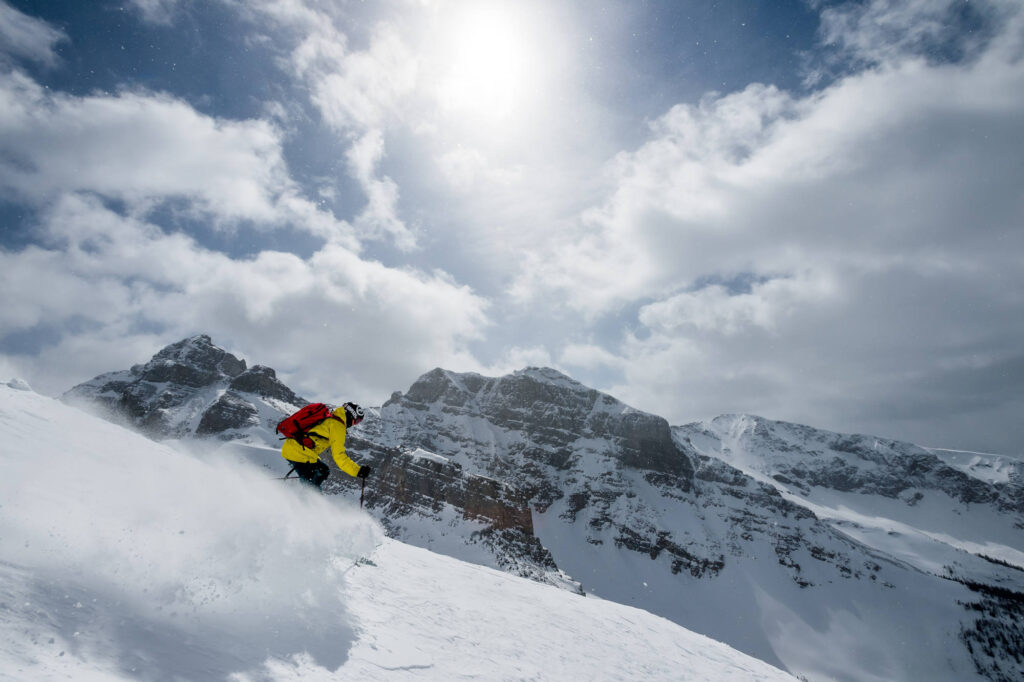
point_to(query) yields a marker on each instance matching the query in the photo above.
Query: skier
(330, 433)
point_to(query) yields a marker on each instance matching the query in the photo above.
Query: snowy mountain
(191, 388)
(800, 458)
(636, 512)
(197, 391)
(832, 556)
(888, 494)
(126, 559)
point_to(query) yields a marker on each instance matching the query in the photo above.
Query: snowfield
(124, 559)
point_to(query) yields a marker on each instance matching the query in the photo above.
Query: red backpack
(297, 426)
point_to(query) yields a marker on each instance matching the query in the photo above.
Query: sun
(492, 62)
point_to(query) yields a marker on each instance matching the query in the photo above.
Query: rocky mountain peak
(191, 387)
(551, 376)
(525, 386)
(551, 413)
(194, 361)
(439, 385)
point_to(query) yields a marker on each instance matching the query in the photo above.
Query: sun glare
(492, 61)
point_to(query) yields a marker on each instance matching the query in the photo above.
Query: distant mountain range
(832, 556)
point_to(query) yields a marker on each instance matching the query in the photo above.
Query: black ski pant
(313, 473)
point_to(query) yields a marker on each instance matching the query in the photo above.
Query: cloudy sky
(810, 210)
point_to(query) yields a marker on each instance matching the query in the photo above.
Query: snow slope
(124, 559)
(895, 497)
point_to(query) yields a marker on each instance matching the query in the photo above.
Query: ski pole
(362, 491)
(287, 476)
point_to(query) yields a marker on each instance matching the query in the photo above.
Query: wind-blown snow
(986, 466)
(420, 453)
(123, 559)
(18, 384)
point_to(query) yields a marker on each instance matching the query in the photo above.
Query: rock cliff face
(431, 501)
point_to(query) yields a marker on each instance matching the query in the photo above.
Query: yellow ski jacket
(330, 433)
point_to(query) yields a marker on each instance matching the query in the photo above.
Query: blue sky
(806, 210)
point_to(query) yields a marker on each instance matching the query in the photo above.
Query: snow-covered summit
(197, 353)
(543, 411)
(192, 388)
(801, 457)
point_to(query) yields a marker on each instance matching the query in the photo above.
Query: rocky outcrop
(263, 381)
(410, 486)
(194, 362)
(230, 412)
(419, 482)
(190, 388)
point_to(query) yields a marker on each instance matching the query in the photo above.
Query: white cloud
(468, 169)
(760, 181)
(380, 216)
(144, 149)
(26, 37)
(899, 353)
(357, 90)
(156, 11)
(590, 356)
(516, 358)
(335, 325)
(385, 80)
(715, 309)
(885, 31)
(103, 289)
(359, 94)
(672, 195)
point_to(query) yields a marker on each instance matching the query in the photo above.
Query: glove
(364, 472)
